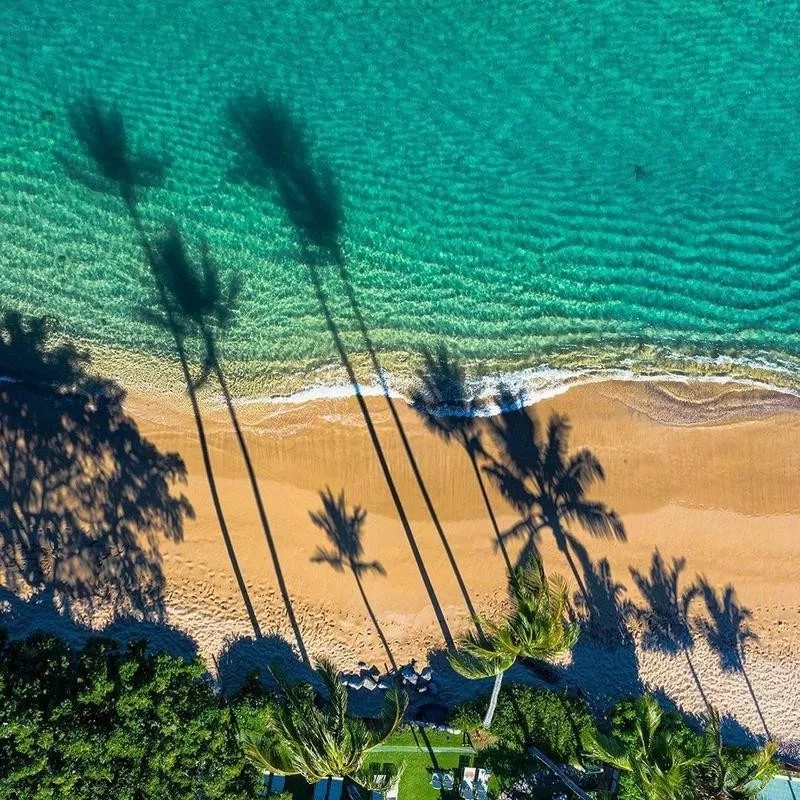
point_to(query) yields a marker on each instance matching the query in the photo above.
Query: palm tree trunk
(374, 619)
(489, 509)
(498, 682)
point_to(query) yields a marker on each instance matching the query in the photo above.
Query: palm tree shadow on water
(344, 530)
(202, 305)
(725, 627)
(275, 153)
(117, 170)
(442, 401)
(548, 488)
(84, 497)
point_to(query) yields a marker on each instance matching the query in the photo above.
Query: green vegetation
(537, 627)
(664, 760)
(552, 721)
(312, 736)
(99, 723)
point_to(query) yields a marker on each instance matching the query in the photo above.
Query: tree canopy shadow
(664, 612)
(246, 657)
(104, 136)
(604, 661)
(85, 498)
(22, 616)
(605, 610)
(548, 488)
(273, 143)
(725, 626)
(344, 531)
(442, 400)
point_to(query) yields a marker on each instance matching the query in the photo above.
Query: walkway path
(551, 765)
(402, 748)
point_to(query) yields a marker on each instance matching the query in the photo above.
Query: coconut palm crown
(313, 736)
(537, 627)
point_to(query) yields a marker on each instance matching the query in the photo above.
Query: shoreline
(701, 471)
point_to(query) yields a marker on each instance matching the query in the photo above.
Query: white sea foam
(531, 385)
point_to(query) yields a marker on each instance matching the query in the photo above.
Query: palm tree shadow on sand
(664, 612)
(274, 151)
(725, 627)
(344, 530)
(543, 484)
(85, 498)
(114, 167)
(442, 400)
(604, 661)
(203, 306)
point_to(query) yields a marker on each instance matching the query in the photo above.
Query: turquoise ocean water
(534, 184)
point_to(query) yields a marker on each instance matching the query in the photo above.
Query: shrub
(97, 722)
(528, 716)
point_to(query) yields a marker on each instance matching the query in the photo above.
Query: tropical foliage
(529, 715)
(98, 723)
(665, 760)
(537, 627)
(313, 736)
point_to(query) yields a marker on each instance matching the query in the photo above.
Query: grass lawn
(415, 784)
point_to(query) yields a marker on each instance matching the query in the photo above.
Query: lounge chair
(373, 795)
(448, 781)
(394, 791)
(273, 783)
(328, 789)
(467, 789)
(436, 780)
(482, 784)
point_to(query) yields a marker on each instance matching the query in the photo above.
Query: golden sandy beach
(705, 472)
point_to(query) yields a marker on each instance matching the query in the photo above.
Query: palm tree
(537, 628)
(661, 768)
(547, 487)
(314, 737)
(441, 400)
(700, 768)
(725, 776)
(344, 530)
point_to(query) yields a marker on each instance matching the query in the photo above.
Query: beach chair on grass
(393, 792)
(482, 785)
(329, 789)
(448, 781)
(437, 780)
(373, 795)
(467, 788)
